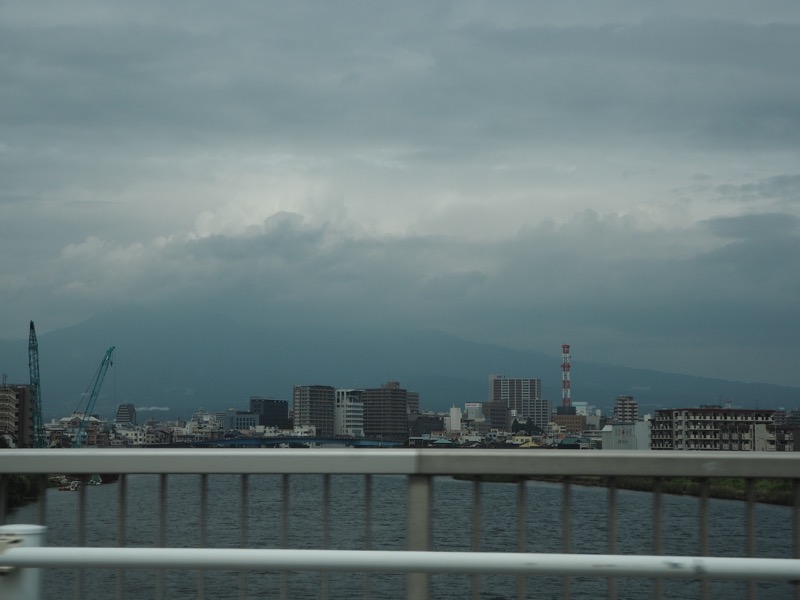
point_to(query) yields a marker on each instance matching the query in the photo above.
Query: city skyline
(202, 360)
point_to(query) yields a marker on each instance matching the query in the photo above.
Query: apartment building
(9, 405)
(386, 412)
(16, 398)
(626, 409)
(313, 405)
(712, 428)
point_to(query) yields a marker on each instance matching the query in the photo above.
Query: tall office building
(313, 405)
(386, 412)
(348, 414)
(522, 397)
(271, 413)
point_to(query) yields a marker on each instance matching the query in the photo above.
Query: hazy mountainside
(185, 361)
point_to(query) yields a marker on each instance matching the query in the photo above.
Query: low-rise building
(570, 424)
(576, 443)
(237, 420)
(626, 436)
(786, 437)
(158, 436)
(128, 436)
(426, 424)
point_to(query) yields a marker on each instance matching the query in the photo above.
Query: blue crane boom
(98, 383)
(39, 439)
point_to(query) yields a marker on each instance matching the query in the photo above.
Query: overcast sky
(622, 176)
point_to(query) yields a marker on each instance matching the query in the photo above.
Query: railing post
(477, 511)
(20, 584)
(420, 506)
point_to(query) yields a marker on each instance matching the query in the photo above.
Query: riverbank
(767, 491)
(20, 490)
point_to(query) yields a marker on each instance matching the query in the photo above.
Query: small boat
(72, 486)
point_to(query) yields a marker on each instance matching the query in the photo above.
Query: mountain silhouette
(186, 360)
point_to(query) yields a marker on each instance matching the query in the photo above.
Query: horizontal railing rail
(420, 467)
(404, 462)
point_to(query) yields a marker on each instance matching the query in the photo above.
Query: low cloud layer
(625, 180)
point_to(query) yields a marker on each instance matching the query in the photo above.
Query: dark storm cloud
(315, 73)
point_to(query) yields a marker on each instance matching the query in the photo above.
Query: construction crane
(96, 385)
(39, 438)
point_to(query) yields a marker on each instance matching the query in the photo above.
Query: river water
(452, 531)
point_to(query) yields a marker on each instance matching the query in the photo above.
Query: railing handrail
(402, 462)
(404, 561)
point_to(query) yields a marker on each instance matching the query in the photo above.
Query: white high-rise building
(454, 420)
(348, 414)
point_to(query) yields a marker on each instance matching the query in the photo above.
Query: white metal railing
(420, 467)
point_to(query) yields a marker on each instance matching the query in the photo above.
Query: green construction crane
(39, 437)
(98, 382)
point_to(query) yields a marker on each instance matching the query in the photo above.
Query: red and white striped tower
(566, 399)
